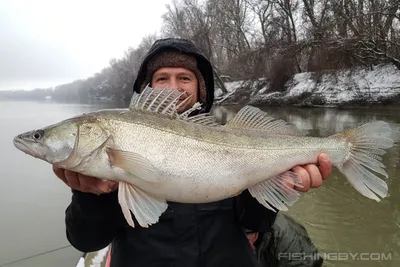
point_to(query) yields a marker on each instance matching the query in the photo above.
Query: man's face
(181, 79)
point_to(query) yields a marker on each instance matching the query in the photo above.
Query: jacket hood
(183, 46)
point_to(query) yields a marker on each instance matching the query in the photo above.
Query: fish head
(53, 143)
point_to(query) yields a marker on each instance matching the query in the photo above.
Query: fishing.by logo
(336, 256)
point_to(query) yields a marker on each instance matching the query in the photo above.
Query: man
(205, 235)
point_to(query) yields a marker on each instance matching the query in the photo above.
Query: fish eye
(38, 134)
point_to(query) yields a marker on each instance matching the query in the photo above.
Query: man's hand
(312, 175)
(84, 183)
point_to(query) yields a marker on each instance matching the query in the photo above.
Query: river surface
(350, 229)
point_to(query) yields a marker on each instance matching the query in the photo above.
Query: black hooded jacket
(198, 235)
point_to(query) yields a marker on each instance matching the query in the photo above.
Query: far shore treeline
(253, 39)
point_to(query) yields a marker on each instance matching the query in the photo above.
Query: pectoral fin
(275, 192)
(133, 163)
(146, 209)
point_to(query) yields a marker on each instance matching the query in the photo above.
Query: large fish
(159, 154)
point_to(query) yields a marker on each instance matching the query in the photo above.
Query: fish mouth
(21, 145)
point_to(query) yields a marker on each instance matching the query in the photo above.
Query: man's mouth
(181, 99)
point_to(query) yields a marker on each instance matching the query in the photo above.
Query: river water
(348, 229)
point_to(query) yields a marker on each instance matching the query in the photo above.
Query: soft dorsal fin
(252, 118)
(158, 100)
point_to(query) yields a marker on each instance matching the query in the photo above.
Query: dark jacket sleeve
(92, 220)
(253, 215)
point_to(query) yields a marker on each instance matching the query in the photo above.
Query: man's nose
(173, 84)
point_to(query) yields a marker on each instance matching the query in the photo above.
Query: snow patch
(230, 87)
(301, 83)
(328, 88)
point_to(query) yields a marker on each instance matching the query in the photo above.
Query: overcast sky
(44, 43)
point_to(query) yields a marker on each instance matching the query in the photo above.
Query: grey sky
(44, 43)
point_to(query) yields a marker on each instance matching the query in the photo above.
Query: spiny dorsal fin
(204, 119)
(185, 115)
(165, 101)
(158, 100)
(251, 118)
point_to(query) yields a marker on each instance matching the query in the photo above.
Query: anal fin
(275, 194)
(146, 209)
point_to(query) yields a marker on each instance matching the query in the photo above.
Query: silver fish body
(159, 155)
(199, 164)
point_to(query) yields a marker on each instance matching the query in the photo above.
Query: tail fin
(367, 145)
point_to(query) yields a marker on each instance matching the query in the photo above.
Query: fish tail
(366, 146)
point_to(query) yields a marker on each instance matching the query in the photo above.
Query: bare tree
(274, 39)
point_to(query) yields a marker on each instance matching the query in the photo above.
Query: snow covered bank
(380, 85)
